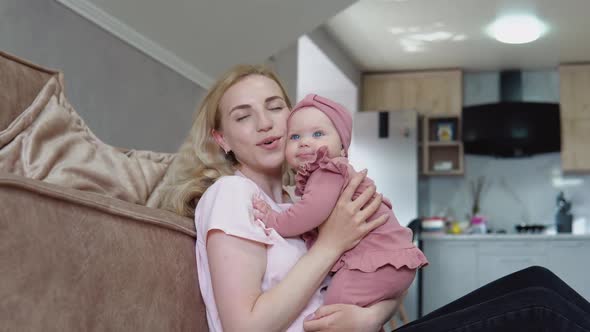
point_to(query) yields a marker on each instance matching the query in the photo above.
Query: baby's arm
(321, 193)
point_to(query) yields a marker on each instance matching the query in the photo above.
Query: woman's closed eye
(276, 107)
(242, 117)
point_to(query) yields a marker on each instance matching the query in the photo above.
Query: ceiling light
(517, 29)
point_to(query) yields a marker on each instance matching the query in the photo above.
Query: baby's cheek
(290, 154)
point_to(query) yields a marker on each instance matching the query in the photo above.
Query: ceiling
(386, 35)
(206, 37)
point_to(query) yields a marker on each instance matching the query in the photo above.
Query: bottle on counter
(478, 225)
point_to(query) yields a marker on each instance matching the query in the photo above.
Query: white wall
(284, 64)
(318, 74)
(337, 55)
(126, 98)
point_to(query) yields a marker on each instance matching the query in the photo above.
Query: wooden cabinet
(436, 96)
(442, 147)
(575, 117)
(428, 92)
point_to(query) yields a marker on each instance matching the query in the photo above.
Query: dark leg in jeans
(533, 299)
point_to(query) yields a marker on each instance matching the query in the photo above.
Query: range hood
(512, 127)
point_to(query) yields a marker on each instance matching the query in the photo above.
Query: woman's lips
(274, 143)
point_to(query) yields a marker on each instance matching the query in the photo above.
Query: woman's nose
(264, 122)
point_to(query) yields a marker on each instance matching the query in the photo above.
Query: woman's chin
(272, 163)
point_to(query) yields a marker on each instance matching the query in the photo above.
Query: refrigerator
(386, 144)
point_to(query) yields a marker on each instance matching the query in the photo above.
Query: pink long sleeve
(321, 193)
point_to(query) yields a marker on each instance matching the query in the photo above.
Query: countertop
(496, 237)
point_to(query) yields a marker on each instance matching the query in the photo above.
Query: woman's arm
(340, 317)
(237, 267)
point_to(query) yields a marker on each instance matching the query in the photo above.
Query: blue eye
(318, 134)
(294, 137)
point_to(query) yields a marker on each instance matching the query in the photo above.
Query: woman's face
(254, 123)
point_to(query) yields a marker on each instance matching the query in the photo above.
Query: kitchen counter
(512, 236)
(461, 263)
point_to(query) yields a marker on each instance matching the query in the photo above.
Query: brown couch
(79, 250)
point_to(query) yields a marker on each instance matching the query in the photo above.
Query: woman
(251, 278)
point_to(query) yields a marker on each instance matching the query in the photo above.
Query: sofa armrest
(103, 203)
(76, 261)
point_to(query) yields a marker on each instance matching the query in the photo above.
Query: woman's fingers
(322, 319)
(364, 197)
(372, 207)
(258, 215)
(352, 185)
(371, 225)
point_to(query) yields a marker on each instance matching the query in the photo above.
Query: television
(511, 129)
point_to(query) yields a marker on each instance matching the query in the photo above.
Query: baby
(383, 265)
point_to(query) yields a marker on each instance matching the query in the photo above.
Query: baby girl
(383, 265)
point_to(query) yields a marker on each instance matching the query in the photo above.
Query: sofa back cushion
(20, 82)
(47, 140)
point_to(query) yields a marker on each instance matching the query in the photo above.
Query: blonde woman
(251, 278)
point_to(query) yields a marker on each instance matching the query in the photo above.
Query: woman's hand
(347, 225)
(348, 317)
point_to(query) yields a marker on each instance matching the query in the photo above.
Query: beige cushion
(20, 82)
(48, 141)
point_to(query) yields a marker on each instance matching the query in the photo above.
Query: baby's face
(308, 130)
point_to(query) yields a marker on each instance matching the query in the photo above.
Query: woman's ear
(343, 152)
(220, 140)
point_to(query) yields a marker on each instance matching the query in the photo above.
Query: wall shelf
(442, 148)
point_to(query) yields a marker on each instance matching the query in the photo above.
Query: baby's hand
(261, 209)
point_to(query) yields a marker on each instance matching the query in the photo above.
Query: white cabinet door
(500, 258)
(569, 259)
(492, 267)
(450, 274)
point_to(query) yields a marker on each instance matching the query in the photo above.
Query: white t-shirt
(227, 206)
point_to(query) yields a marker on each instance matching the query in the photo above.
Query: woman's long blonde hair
(200, 161)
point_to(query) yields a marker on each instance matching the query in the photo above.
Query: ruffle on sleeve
(412, 257)
(322, 161)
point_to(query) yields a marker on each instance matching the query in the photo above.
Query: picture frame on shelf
(445, 131)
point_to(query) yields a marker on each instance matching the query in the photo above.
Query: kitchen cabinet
(442, 146)
(567, 259)
(450, 273)
(575, 117)
(462, 263)
(437, 96)
(502, 257)
(428, 92)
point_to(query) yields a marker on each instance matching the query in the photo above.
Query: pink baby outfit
(383, 264)
(227, 206)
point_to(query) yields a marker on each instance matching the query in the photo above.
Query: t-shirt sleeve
(227, 206)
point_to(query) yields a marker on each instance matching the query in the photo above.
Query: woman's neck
(270, 183)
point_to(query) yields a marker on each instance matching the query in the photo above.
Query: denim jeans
(533, 299)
